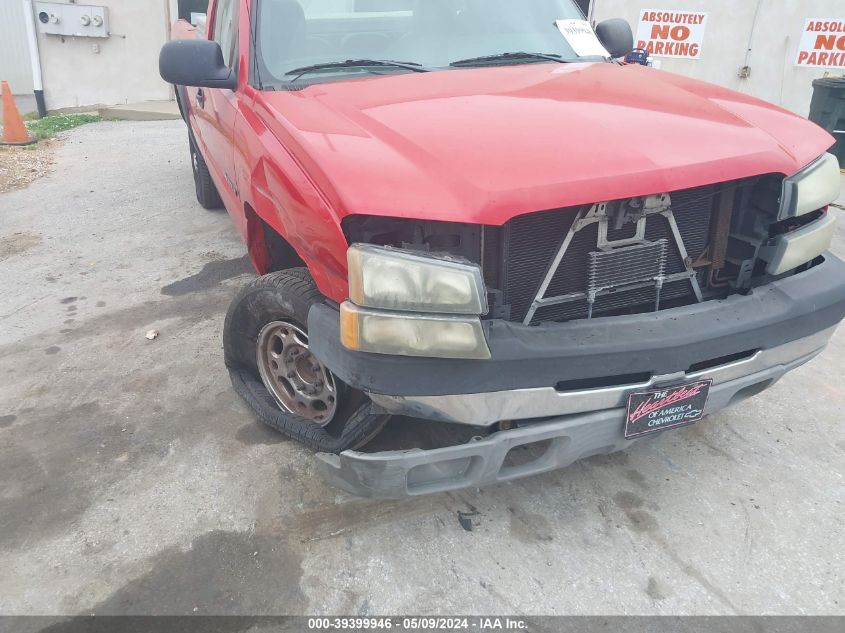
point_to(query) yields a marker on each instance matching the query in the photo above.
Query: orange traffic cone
(14, 131)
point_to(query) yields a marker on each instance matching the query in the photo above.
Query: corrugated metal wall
(14, 50)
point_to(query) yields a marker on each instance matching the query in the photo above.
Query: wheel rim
(298, 382)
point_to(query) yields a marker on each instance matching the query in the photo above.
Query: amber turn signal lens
(349, 328)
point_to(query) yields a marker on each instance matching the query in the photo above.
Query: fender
(283, 196)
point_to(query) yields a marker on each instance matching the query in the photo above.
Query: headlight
(811, 189)
(393, 279)
(404, 334)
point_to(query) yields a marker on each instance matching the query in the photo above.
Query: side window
(225, 30)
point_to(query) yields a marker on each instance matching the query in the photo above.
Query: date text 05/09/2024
(428, 623)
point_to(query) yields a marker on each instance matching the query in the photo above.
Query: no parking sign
(672, 33)
(822, 44)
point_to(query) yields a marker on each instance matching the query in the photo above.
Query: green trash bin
(828, 110)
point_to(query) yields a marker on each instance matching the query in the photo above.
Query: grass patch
(49, 126)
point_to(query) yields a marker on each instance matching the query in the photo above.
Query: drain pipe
(35, 57)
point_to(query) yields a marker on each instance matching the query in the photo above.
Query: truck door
(216, 109)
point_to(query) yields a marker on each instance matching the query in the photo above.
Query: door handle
(201, 98)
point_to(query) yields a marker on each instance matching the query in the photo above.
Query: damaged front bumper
(565, 385)
(545, 446)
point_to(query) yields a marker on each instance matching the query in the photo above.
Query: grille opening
(751, 391)
(722, 360)
(605, 381)
(426, 477)
(526, 454)
(619, 303)
(530, 242)
(720, 226)
(529, 457)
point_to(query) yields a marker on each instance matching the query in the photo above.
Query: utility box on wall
(72, 20)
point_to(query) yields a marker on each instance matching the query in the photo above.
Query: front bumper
(555, 444)
(485, 409)
(567, 384)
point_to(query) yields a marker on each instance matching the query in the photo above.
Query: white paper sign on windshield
(582, 38)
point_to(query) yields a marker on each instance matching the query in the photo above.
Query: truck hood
(485, 145)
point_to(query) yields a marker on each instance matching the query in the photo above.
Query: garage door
(14, 49)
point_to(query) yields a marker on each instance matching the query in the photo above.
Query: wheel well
(268, 250)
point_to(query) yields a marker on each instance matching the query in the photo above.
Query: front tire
(207, 194)
(265, 341)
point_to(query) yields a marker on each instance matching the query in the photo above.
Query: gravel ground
(19, 166)
(133, 480)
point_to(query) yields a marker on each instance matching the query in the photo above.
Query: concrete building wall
(731, 31)
(123, 68)
(82, 72)
(15, 64)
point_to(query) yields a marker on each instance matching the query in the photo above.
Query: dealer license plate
(662, 409)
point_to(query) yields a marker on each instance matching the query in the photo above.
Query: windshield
(296, 34)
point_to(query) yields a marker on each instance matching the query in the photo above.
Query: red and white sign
(671, 33)
(822, 44)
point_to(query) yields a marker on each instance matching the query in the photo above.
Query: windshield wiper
(356, 63)
(507, 57)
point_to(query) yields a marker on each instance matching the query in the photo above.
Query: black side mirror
(617, 37)
(197, 63)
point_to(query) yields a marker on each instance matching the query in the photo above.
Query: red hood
(485, 145)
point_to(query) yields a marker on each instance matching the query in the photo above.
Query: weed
(49, 126)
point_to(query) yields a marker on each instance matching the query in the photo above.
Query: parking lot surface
(133, 480)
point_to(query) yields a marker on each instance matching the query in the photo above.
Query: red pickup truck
(469, 211)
